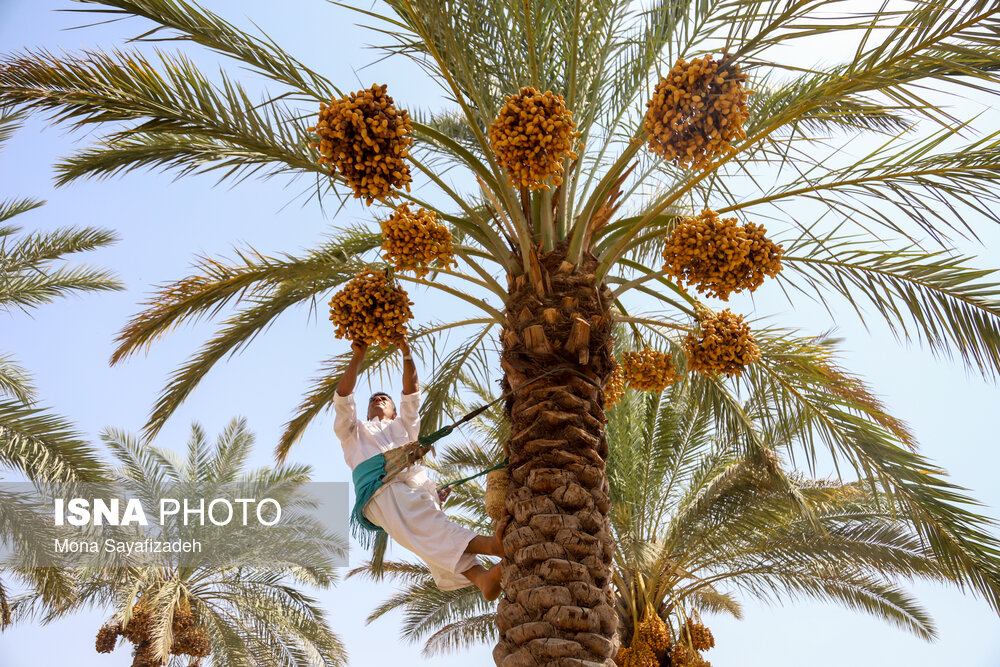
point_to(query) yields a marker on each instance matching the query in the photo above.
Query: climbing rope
(459, 482)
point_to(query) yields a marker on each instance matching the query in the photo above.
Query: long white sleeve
(345, 422)
(409, 414)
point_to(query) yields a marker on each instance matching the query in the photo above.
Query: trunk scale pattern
(557, 608)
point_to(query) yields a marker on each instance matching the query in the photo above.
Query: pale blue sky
(164, 224)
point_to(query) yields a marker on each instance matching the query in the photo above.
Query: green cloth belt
(368, 476)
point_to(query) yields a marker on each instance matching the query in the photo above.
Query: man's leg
(488, 581)
(490, 546)
(413, 519)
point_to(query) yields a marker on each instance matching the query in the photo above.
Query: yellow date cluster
(367, 139)
(723, 344)
(371, 309)
(615, 388)
(719, 256)
(696, 111)
(531, 136)
(412, 241)
(188, 638)
(650, 640)
(698, 635)
(649, 370)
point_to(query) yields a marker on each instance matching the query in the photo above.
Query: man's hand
(403, 345)
(443, 494)
(359, 348)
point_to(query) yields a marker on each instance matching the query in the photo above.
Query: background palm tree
(698, 528)
(853, 234)
(36, 444)
(245, 605)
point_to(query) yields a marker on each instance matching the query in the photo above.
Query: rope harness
(375, 472)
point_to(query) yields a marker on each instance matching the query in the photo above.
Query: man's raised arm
(409, 402)
(345, 421)
(409, 368)
(350, 377)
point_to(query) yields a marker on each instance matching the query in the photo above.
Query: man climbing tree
(407, 507)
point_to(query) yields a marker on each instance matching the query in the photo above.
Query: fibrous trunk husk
(557, 609)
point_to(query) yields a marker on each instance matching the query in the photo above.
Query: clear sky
(165, 223)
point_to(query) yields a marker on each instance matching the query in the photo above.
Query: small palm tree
(36, 443)
(698, 527)
(237, 613)
(559, 218)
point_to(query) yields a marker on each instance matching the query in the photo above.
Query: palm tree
(35, 443)
(218, 603)
(550, 265)
(698, 527)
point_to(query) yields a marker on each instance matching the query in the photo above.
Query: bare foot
(489, 583)
(498, 534)
(490, 546)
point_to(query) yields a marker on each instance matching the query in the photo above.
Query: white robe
(406, 508)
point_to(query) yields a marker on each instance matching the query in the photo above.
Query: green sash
(368, 478)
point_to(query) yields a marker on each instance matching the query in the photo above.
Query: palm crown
(552, 251)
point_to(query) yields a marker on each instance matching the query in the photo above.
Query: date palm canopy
(592, 159)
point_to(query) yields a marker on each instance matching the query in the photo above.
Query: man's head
(381, 406)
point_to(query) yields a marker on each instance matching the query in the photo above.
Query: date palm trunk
(556, 610)
(144, 655)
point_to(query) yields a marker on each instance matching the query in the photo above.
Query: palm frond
(36, 248)
(44, 446)
(920, 181)
(937, 298)
(27, 278)
(880, 450)
(96, 88)
(445, 377)
(402, 571)
(717, 603)
(861, 593)
(14, 207)
(235, 333)
(177, 20)
(465, 633)
(28, 535)
(15, 381)
(10, 122)
(30, 290)
(430, 608)
(214, 283)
